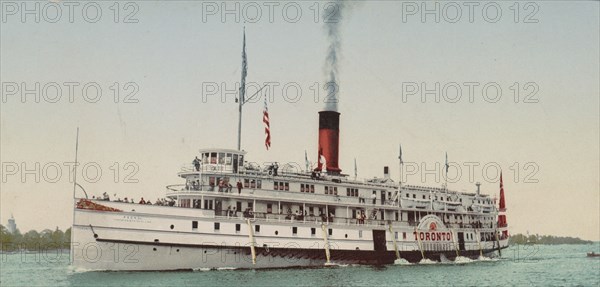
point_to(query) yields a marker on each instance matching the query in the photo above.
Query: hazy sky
(547, 143)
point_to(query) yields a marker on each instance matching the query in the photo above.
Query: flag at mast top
(400, 154)
(242, 97)
(244, 70)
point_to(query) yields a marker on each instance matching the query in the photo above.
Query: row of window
(310, 188)
(281, 185)
(222, 158)
(436, 198)
(352, 192)
(331, 190)
(307, 188)
(252, 183)
(284, 186)
(313, 231)
(238, 227)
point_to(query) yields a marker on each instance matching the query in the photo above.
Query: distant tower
(12, 226)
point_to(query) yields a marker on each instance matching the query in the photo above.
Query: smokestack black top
(329, 120)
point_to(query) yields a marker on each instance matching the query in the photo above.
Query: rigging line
(254, 94)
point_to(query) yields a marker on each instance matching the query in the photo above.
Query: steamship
(230, 213)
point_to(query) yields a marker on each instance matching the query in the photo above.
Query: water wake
(333, 264)
(427, 261)
(75, 270)
(226, 268)
(463, 260)
(483, 258)
(401, 261)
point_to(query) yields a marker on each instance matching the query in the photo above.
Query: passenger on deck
(248, 212)
(142, 201)
(239, 186)
(221, 185)
(196, 163)
(362, 217)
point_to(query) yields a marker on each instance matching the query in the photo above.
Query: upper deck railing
(306, 198)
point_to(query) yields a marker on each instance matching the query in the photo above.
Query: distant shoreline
(547, 240)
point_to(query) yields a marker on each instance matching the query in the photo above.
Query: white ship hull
(140, 237)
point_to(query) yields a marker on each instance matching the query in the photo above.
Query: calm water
(521, 265)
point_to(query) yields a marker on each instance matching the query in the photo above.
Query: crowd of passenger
(159, 201)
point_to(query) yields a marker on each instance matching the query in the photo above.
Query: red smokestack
(329, 140)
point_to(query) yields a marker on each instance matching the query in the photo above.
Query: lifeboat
(415, 203)
(447, 205)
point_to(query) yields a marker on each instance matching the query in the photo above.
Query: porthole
(172, 226)
(154, 248)
(346, 235)
(204, 251)
(276, 232)
(95, 235)
(177, 250)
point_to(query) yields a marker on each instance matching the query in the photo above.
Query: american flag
(267, 126)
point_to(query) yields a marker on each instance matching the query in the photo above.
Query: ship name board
(433, 236)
